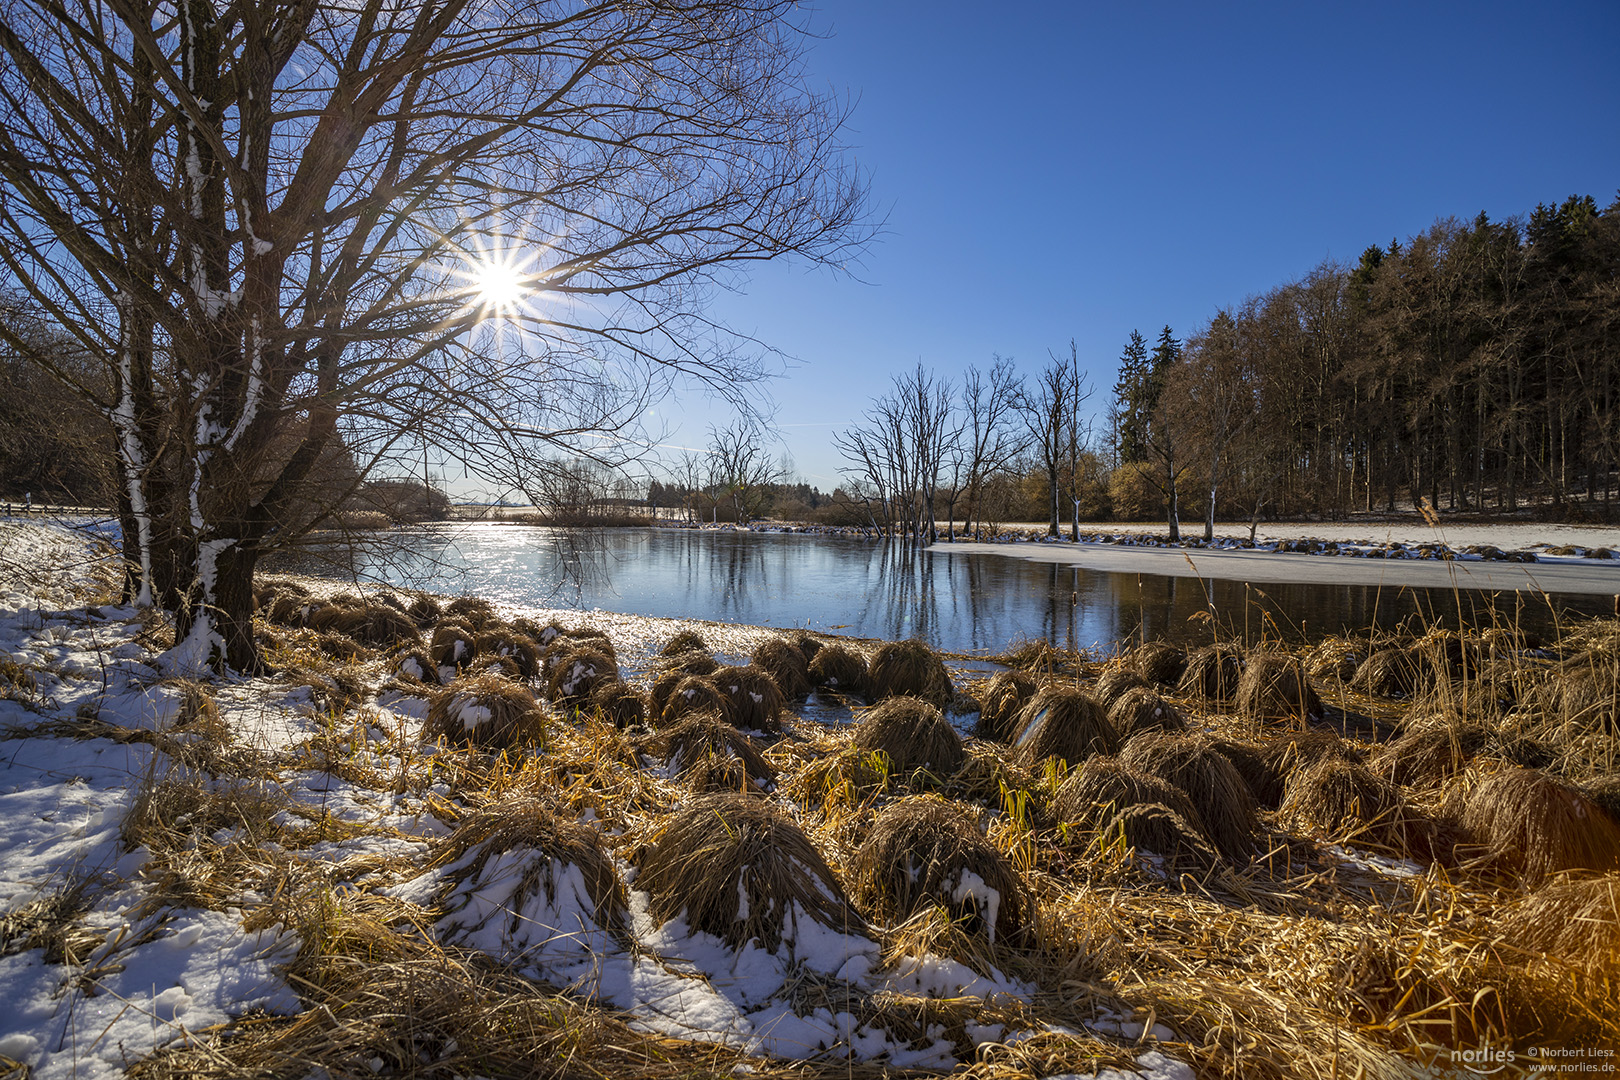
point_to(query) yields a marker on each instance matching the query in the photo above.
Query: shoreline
(1588, 577)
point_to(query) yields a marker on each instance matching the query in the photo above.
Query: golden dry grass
(927, 851)
(839, 668)
(1191, 763)
(912, 734)
(753, 700)
(1213, 673)
(1158, 662)
(722, 851)
(1118, 678)
(525, 821)
(1063, 722)
(787, 664)
(1141, 709)
(1274, 689)
(1538, 826)
(1293, 964)
(703, 749)
(487, 711)
(908, 669)
(1004, 698)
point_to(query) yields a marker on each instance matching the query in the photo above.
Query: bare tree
(741, 467)
(988, 436)
(389, 225)
(1059, 433)
(1210, 397)
(901, 452)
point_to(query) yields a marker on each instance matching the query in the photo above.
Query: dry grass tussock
(1396, 672)
(840, 669)
(924, 850)
(913, 734)
(619, 703)
(487, 711)
(1224, 802)
(908, 669)
(529, 823)
(1337, 797)
(1158, 662)
(787, 665)
(1431, 754)
(1141, 709)
(1117, 679)
(1003, 699)
(753, 700)
(1334, 658)
(676, 694)
(1213, 673)
(1575, 918)
(721, 852)
(1294, 963)
(1104, 786)
(1156, 829)
(1063, 722)
(1040, 657)
(1537, 826)
(1274, 689)
(577, 672)
(712, 755)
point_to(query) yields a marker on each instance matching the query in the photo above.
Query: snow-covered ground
(103, 958)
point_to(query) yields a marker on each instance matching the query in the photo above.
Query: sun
(496, 283)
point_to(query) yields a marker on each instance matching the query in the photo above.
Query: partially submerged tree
(898, 455)
(398, 226)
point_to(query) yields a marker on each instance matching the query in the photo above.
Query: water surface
(865, 588)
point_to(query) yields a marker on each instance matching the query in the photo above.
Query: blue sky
(1054, 171)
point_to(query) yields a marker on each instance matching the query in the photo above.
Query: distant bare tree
(741, 468)
(900, 453)
(1210, 395)
(1059, 432)
(988, 436)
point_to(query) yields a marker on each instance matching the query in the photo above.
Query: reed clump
(908, 669)
(1212, 674)
(1158, 662)
(912, 734)
(739, 869)
(486, 711)
(1225, 805)
(1004, 698)
(753, 700)
(1063, 722)
(1141, 709)
(1537, 826)
(787, 665)
(839, 669)
(1274, 689)
(924, 850)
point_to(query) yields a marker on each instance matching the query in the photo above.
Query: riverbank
(309, 871)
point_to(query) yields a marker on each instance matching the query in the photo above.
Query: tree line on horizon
(1475, 366)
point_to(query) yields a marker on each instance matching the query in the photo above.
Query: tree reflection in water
(960, 602)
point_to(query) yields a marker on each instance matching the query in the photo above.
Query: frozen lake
(961, 601)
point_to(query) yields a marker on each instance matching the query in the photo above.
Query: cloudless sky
(1058, 171)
